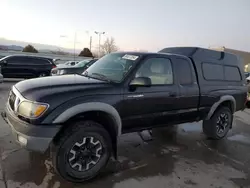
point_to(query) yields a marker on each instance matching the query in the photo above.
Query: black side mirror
(4, 62)
(140, 82)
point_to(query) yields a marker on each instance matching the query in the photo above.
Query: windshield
(82, 63)
(113, 67)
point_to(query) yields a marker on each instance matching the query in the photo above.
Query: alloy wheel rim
(85, 154)
(222, 123)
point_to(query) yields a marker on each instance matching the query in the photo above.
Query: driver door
(147, 107)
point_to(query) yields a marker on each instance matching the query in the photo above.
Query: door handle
(172, 94)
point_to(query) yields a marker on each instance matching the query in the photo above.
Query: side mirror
(4, 62)
(140, 82)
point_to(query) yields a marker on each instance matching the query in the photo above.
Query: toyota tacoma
(78, 118)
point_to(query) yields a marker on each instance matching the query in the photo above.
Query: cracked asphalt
(177, 156)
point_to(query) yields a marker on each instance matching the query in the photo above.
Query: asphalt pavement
(177, 156)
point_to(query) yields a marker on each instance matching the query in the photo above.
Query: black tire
(62, 151)
(211, 127)
(42, 74)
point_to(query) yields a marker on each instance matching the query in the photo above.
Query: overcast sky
(135, 24)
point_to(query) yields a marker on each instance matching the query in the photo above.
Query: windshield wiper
(100, 76)
(103, 77)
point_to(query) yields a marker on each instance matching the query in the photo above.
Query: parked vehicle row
(79, 68)
(68, 63)
(22, 66)
(80, 117)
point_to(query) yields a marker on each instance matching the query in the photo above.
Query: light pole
(75, 46)
(99, 34)
(65, 36)
(90, 42)
(90, 39)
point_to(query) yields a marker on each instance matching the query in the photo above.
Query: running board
(146, 135)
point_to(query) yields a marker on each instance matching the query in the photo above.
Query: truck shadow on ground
(142, 159)
(137, 159)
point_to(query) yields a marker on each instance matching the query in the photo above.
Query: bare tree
(109, 46)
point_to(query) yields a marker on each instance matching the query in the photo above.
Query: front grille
(12, 99)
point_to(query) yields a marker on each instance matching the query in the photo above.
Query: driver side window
(159, 70)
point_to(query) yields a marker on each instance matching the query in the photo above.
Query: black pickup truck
(80, 117)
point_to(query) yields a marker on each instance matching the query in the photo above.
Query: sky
(135, 24)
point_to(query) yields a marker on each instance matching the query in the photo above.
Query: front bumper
(32, 137)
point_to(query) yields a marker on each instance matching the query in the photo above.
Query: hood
(33, 89)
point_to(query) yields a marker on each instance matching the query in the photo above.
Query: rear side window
(232, 73)
(17, 60)
(212, 71)
(184, 71)
(39, 61)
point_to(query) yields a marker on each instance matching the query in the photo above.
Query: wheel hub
(85, 154)
(222, 123)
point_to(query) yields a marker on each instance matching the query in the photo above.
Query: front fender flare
(91, 106)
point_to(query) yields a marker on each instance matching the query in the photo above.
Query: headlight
(61, 72)
(31, 110)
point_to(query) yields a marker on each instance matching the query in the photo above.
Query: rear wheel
(220, 123)
(82, 151)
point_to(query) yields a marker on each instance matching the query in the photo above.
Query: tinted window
(38, 61)
(184, 71)
(212, 71)
(82, 63)
(17, 60)
(159, 70)
(232, 73)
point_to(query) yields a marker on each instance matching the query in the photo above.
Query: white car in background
(68, 63)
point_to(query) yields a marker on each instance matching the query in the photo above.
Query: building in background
(244, 55)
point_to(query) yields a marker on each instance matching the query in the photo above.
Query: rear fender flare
(91, 106)
(217, 104)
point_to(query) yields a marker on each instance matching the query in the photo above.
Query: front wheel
(82, 152)
(220, 123)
